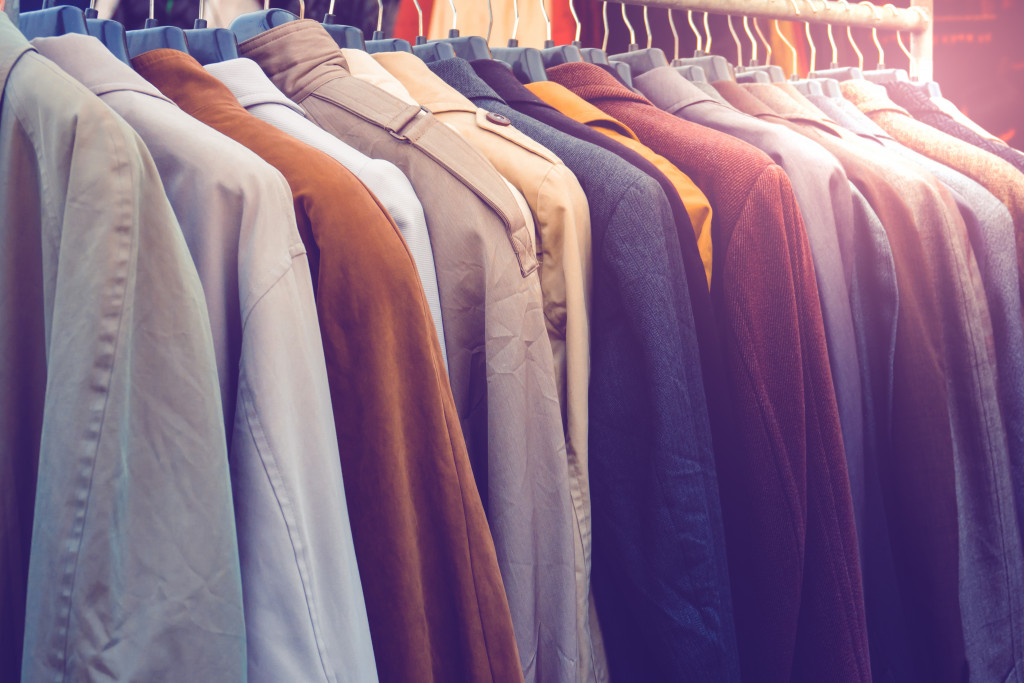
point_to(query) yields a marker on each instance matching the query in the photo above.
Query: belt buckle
(397, 134)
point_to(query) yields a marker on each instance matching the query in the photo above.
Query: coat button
(498, 119)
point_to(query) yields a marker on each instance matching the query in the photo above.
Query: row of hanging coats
(317, 364)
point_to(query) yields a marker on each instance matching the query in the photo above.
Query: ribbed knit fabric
(911, 97)
(786, 500)
(659, 572)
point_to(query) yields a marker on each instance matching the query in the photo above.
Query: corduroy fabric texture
(787, 506)
(434, 594)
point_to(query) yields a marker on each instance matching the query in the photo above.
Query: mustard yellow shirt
(697, 205)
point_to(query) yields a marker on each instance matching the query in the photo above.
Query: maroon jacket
(790, 533)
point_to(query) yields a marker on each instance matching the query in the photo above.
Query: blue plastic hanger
(623, 70)
(210, 45)
(527, 62)
(594, 55)
(52, 21)
(108, 31)
(598, 55)
(834, 71)
(640, 60)
(466, 47)
(715, 67)
(429, 52)
(154, 37)
(690, 72)
(253, 24)
(553, 55)
(754, 71)
(378, 43)
(348, 37)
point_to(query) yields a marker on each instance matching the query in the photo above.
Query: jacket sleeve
(134, 571)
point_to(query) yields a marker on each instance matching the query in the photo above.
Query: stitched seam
(268, 458)
(118, 287)
(990, 446)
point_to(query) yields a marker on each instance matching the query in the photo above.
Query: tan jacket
(500, 359)
(562, 216)
(114, 477)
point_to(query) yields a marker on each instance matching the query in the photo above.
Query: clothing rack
(916, 20)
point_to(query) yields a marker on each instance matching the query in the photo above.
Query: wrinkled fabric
(562, 219)
(262, 99)
(298, 562)
(117, 539)
(697, 206)
(651, 471)
(408, 481)
(499, 356)
(717, 392)
(790, 534)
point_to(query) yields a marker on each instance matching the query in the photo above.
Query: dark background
(979, 51)
(979, 44)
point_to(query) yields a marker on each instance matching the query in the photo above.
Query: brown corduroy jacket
(433, 591)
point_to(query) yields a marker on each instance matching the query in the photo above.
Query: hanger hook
(767, 43)
(604, 17)
(302, 9)
(875, 32)
(632, 33)
(707, 30)
(832, 38)
(543, 10)
(455, 15)
(152, 9)
(675, 35)
(899, 38)
(753, 41)
(515, 23)
(330, 10)
(735, 39)
(810, 39)
(576, 18)
(849, 36)
(380, 14)
(792, 48)
(419, 11)
(693, 27)
(647, 26)
(490, 21)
